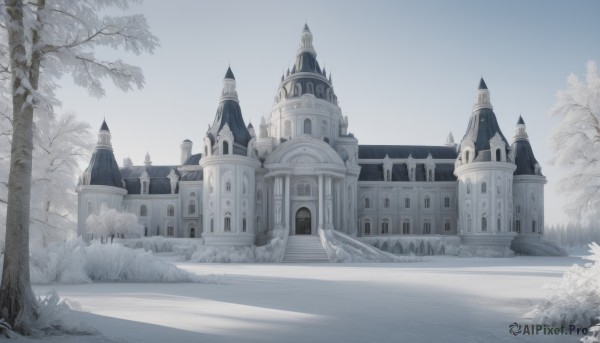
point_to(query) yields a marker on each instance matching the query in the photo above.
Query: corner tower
(101, 184)
(485, 175)
(229, 164)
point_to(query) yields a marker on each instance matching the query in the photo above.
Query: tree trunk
(17, 302)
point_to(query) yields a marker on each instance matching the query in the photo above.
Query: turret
(484, 169)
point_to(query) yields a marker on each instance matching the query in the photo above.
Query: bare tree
(47, 39)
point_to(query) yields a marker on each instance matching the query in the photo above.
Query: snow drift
(270, 252)
(343, 248)
(76, 262)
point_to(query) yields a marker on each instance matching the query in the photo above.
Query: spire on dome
(524, 158)
(229, 85)
(104, 127)
(520, 130)
(483, 97)
(229, 74)
(482, 84)
(306, 42)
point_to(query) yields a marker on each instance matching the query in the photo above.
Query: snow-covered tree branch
(576, 144)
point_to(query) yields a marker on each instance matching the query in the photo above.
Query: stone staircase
(304, 249)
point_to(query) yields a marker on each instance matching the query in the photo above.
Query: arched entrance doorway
(303, 221)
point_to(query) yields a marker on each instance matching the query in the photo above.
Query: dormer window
(225, 148)
(307, 126)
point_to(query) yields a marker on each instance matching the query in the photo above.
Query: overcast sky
(405, 72)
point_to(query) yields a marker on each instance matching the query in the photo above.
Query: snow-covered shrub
(575, 300)
(57, 316)
(184, 247)
(271, 252)
(417, 245)
(76, 262)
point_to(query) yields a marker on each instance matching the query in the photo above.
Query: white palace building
(301, 170)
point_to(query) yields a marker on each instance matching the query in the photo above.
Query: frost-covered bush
(159, 244)
(271, 252)
(575, 300)
(58, 316)
(109, 222)
(76, 262)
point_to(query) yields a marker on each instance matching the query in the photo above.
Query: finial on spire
(483, 97)
(306, 44)
(229, 91)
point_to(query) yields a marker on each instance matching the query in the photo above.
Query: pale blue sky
(405, 72)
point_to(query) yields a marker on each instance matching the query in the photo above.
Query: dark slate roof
(250, 126)
(520, 121)
(194, 175)
(187, 141)
(483, 127)
(104, 169)
(104, 127)
(229, 74)
(307, 62)
(306, 27)
(403, 151)
(482, 84)
(524, 158)
(229, 112)
(374, 172)
(159, 182)
(193, 160)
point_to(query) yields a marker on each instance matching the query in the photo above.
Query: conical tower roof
(103, 169)
(523, 153)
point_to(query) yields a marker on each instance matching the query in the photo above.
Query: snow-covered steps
(304, 249)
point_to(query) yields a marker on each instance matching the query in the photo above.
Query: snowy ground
(443, 299)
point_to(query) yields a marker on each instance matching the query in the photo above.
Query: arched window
(499, 227)
(170, 231)
(225, 148)
(145, 231)
(192, 207)
(533, 226)
(406, 202)
(427, 203)
(446, 202)
(227, 222)
(300, 189)
(212, 225)
(306, 189)
(468, 187)
(406, 227)
(467, 153)
(228, 186)
(244, 185)
(447, 226)
(483, 187)
(386, 203)
(170, 211)
(367, 203)
(367, 228)
(517, 225)
(143, 211)
(192, 232)
(307, 126)
(385, 226)
(483, 223)
(244, 224)
(388, 175)
(427, 227)
(287, 128)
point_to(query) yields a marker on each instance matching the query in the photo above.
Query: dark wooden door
(303, 222)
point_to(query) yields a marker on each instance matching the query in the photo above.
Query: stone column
(286, 218)
(328, 203)
(320, 225)
(278, 199)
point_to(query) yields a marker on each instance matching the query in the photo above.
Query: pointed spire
(520, 130)
(483, 97)
(306, 42)
(482, 84)
(104, 127)
(520, 121)
(147, 161)
(229, 74)
(229, 86)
